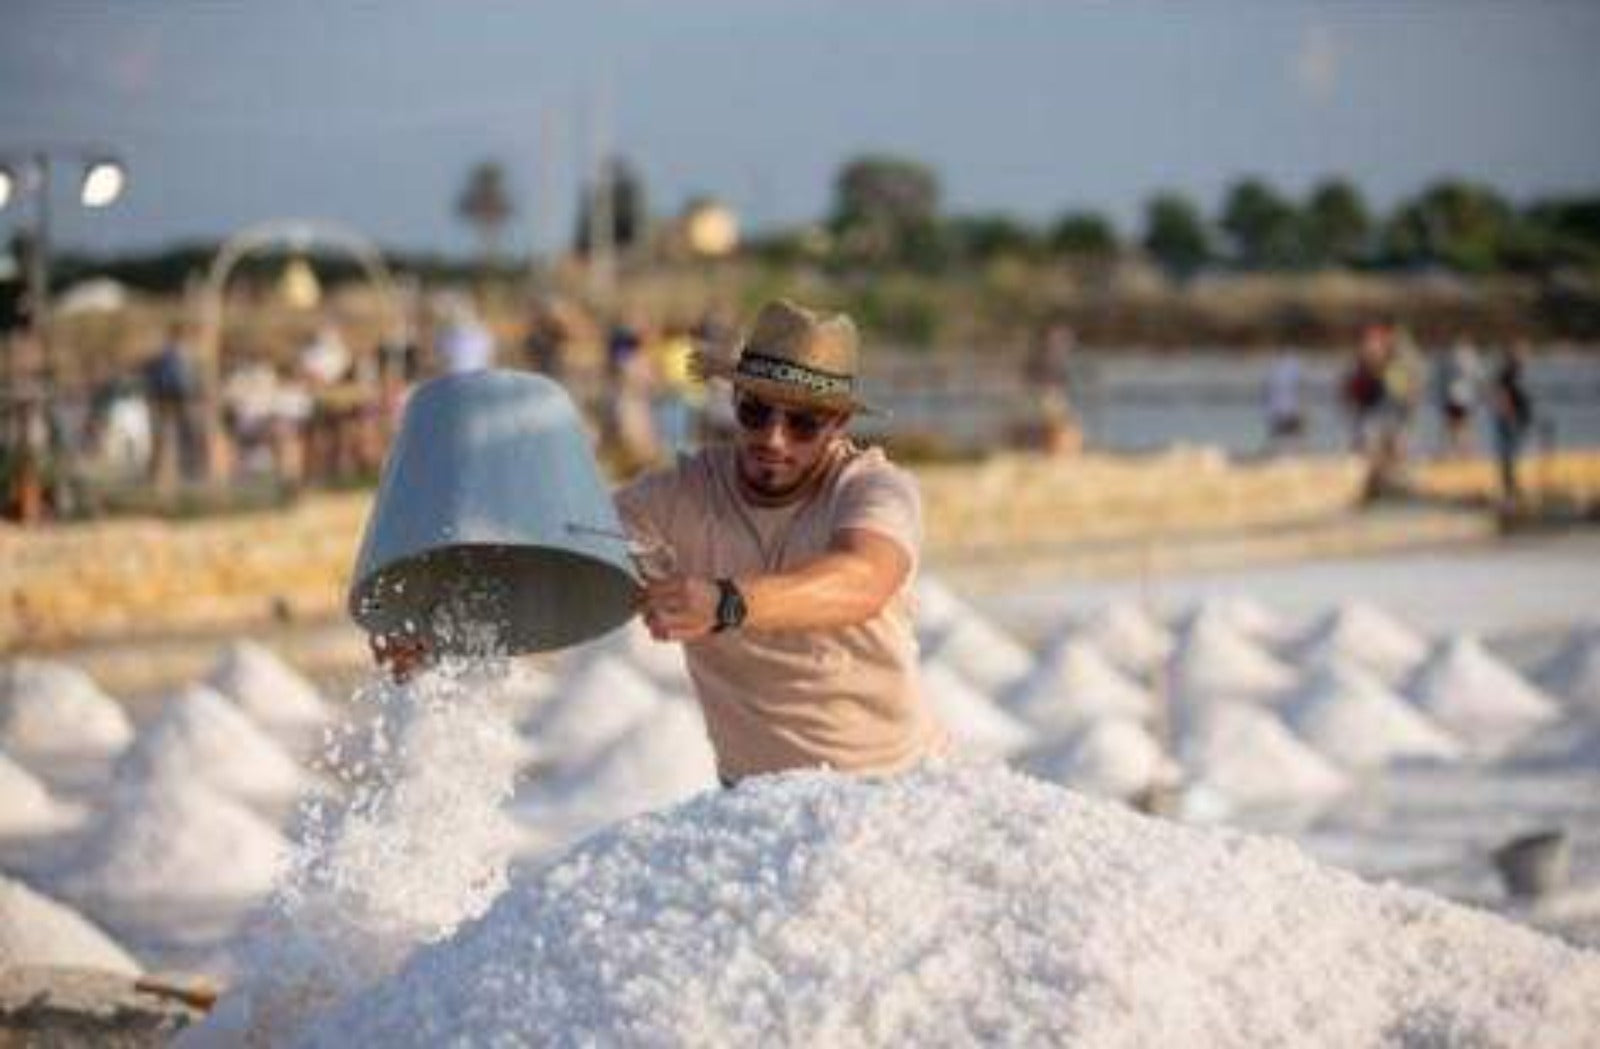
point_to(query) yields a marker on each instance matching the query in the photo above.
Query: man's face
(779, 446)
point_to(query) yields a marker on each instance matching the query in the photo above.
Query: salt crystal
(38, 931)
(51, 710)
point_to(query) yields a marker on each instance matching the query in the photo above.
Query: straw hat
(794, 356)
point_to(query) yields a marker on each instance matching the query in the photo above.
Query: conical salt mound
(1128, 636)
(1113, 757)
(970, 907)
(168, 840)
(982, 653)
(1574, 672)
(1072, 684)
(51, 710)
(1215, 662)
(663, 758)
(1477, 698)
(1365, 634)
(200, 734)
(661, 662)
(976, 724)
(604, 697)
(270, 691)
(1242, 615)
(38, 931)
(1244, 753)
(937, 608)
(26, 806)
(1348, 715)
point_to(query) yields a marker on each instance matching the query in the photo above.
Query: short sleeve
(882, 498)
(645, 504)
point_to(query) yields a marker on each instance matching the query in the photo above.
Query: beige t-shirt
(848, 697)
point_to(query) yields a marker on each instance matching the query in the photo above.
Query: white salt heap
(1350, 716)
(1574, 672)
(36, 930)
(51, 710)
(1365, 634)
(976, 724)
(1073, 683)
(602, 698)
(270, 691)
(1113, 757)
(1477, 698)
(982, 653)
(27, 808)
(1244, 752)
(1125, 634)
(661, 663)
(1215, 662)
(421, 844)
(1242, 615)
(171, 840)
(937, 608)
(200, 734)
(664, 758)
(963, 907)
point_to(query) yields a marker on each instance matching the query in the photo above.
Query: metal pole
(39, 276)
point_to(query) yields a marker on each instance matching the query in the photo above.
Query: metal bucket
(492, 518)
(1536, 864)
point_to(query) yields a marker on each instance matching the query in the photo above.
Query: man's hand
(403, 656)
(678, 608)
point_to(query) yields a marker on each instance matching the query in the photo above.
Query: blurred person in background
(1457, 376)
(172, 387)
(1283, 402)
(1047, 374)
(1510, 416)
(462, 342)
(627, 424)
(1362, 389)
(545, 344)
(1403, 379)
(326, 366)
(677, 398)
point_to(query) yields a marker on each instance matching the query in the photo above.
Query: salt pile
(38, 931)
(1073, 683)
(200, 734)
(1113, 757)
(51, 710)
(976, 724)
(664, 758)
(1363, 633)
(1245, 754)
(1477, 698)
(1349, 716)
(26, 806)
(982, 653)
(601, 699)
(1129, 637)
(266, 688)
(170, 840)
(1242, 615)
(937, 608)
(1216, 662)
(965, 907)
(661, 663)
(421, 844)
(1574, 672)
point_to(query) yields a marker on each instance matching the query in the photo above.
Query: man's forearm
(837, 589)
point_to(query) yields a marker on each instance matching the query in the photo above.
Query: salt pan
(38, 931)
(199, 733)
(976, 724)
(1477, 698)
(1073, 683)
(1113, 757)
(1349, 716)
(51, 710)
(965, 907)
(266, 688)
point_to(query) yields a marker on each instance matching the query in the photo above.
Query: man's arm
(850, 583)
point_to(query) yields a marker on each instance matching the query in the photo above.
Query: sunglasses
(756, 415)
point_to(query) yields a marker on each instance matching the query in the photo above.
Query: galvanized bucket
(492, 527)
(1535, 865)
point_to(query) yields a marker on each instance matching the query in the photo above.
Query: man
(792, 553)
(789, 554)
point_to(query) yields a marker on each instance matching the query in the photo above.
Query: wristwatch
(731, 609)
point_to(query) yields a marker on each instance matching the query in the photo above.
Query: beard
(776, 482)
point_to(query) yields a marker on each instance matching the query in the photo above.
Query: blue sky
(371, 113)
